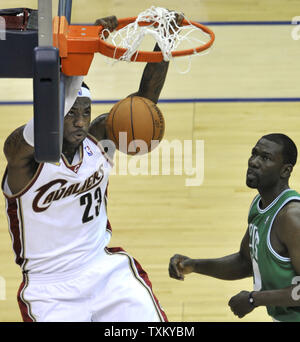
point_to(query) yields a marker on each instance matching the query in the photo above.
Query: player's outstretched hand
(109, 23)
(179, 266)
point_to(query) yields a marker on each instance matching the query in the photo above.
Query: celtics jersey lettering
(271, 271)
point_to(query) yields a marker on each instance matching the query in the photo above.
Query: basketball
(135, 125)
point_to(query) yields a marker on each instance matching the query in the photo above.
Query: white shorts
(113, 289)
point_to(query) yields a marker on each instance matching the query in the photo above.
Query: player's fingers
(174, 270)
(173, 273)
(109, 23)
(113, 23)
(179, 18)
(99, 22)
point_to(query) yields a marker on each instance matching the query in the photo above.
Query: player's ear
(286, 170)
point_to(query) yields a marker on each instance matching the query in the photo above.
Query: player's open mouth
(251, 173)
(79, 134)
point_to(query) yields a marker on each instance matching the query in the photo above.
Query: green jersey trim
(276, 255)
(262, 211)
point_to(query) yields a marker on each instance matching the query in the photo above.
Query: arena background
(247, 86)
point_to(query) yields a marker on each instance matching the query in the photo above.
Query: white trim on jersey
(262, 211)
(278, 256)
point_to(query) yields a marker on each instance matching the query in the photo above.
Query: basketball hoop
(161, 24)
(77, 44)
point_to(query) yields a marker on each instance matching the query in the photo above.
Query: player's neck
(69, 151)
(268, 195)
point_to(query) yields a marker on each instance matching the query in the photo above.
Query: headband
(73, 89)
(84, 92)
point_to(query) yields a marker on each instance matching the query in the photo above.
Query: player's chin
(251, 183)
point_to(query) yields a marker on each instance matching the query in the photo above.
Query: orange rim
(112, 51)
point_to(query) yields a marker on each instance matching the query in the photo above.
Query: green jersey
(271, 271)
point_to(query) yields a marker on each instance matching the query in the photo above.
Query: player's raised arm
(151, 84)
(154, 75)
(153, 79)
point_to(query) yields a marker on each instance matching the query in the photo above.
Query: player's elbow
(246, 266)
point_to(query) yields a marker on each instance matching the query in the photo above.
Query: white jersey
(58, 223)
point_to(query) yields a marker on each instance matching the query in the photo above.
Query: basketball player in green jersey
(270, 249)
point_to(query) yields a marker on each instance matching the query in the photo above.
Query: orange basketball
(135, 125)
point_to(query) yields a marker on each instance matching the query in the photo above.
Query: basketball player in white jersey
(59, 227)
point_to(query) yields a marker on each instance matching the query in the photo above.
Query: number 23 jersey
(58, 223)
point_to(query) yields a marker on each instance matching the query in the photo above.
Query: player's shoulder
(290, 210)
(16, 149)
(288, 218)
(15, 136)
(287, 223)
(98, 127)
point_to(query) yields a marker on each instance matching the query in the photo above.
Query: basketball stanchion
(49, 86)
(47, 127)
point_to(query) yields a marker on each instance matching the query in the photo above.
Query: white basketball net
(163, 29)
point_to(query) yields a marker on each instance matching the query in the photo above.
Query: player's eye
(71, 113)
